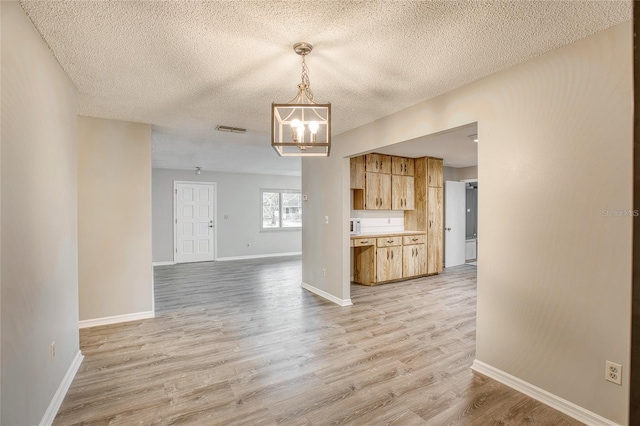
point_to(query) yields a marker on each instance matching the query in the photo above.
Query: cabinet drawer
(360, 242)
(413, 239)
(389, 241)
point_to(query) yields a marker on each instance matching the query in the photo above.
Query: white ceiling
(454, 146)
(186, 67)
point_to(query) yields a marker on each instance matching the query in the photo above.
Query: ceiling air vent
(231, 129)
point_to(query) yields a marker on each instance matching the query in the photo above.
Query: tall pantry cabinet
(427, 214)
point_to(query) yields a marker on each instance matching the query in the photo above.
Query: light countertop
(387, 234)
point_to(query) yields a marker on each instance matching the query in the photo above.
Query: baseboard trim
(569, 408)
(61, 392)
(164, 263)
(116, 319)
(259, 256)
(325, 295)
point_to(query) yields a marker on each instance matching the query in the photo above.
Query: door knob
(210, 224)
(447, 229)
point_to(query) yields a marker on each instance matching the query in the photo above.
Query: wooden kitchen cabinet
(402, 166)
(434, 230)
(382, 258)
(357, 172)
(414, 260)
(388, 263)
(402, 192)
(378, 163)
(434, 172)
(374, 185)
(378, 189)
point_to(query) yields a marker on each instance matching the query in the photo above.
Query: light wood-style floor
(240, 342)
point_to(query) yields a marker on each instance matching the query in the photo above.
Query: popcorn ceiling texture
(190, 66)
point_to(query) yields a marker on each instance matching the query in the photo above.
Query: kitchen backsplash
(388, 224)
(379, 220)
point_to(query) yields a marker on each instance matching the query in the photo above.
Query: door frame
(174, 220)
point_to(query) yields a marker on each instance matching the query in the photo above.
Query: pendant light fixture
(301, 127)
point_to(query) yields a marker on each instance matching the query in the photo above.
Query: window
(281, 210)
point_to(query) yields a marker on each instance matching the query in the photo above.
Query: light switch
(226, 216)
(326, 219)
(305, 197)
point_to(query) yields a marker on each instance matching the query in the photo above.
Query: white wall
(114, 218)
(39, 218)
(238, 198)
(556, 151)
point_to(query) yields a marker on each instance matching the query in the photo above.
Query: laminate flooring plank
(241, 343)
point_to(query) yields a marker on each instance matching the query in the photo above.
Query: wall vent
(231, 129)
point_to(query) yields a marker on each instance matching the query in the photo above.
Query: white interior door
(194, 221)
(454, 223)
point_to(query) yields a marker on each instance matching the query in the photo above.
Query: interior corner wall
(468, 173)
(555, 153)
(39, 270)
(238, 213)
(114, 218)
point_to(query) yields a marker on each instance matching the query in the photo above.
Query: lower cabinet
(414, 260)
(388, 263)
(380, 259)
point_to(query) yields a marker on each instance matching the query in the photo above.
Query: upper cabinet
(378, 163)
(357, 172)
(434, 172)
(377, 191)
(382, 182)
(402, 166)
(402, 192)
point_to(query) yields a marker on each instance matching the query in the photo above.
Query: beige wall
(39, 270)
(114, 218)
(555, 153)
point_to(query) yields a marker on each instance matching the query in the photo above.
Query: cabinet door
(434, 230)
(357, 172)
(402, 192)
(378, 192)
(414, 260)
(388, 263)
(378, 163)
(402, 166)
(421, 259)
(434, 172)
(409, 197)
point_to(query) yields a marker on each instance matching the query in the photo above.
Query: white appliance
(355, 226)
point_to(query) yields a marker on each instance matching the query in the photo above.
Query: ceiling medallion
(301, 127)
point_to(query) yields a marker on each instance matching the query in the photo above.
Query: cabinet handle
(377, 168)
(414, 239)
(364, 242)
(429, 224)
(389, 241)
(391, 255)
(387, 254)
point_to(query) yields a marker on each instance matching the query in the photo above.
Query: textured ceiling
(187, 67)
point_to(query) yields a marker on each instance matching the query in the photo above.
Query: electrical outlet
(52, 351)
(324, 272)
(613, 372)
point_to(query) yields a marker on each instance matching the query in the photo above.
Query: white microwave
(354, 226)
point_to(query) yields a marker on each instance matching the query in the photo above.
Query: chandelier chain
(305, 79)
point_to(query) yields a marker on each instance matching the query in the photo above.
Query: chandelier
(301, 127)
